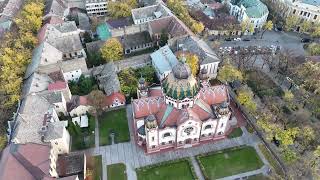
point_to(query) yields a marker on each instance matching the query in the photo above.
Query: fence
(251, 120)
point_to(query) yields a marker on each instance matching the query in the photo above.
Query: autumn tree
(315, 32)
(267, 27)
(128, 82)
(118, 9)
(314, 49)
(112, 50)
(197, 27)
(30, 18)
(305, 26)
(309, 72)
(96, 99)
(229, 73)
(3, 142)
(245, 97)
(288, 96)
(192, 60)
(291, 22)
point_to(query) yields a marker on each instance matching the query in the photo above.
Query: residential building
(55, 8)
(149, 13)
(208, 59)
(253, 11)
(136, 42)
(107, 78)
(306, 9)
(80, 105)
(96, 7)
(28, 161)
(163, 60)
(33, 161)
(217, 21)
(50, 31)
(183, 112)
(37, 121)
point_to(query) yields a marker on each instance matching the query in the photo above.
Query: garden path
(197, 168)
(262, 170)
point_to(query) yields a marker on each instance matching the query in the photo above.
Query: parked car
(237, 39)
(227, 39)
(246, 39)
(305, 40)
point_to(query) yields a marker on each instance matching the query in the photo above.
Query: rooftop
(164, 59)
(132, 40)
(171, 25)
(254, 8)
(312, 2)
(55, 8)
(119, 23)
(155, 11)
(71, 164)
(31, 161)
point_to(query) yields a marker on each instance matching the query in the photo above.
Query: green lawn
(114, 121)
(235, 133)
(117, 172)
(230, 162)
(273, 162)
(82, 138)
(167, 171)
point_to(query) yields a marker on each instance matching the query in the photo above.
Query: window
(152, 138)
(170, 142)
(195, 139)
(219, 133)
(166, 134)
(305, 14)
(202, 135)
(209, 134)
(315, 16)
(153, 146)
(221, 125)
(56, 143)
(208, 127)
(188, 130)
(163, 143)
(180, 142)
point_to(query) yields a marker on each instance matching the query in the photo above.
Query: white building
(149, 13)
(253, 11)
(181, 113)
(306, 9)
(96, 7)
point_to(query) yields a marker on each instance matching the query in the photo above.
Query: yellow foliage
(112, 50)
(193, 61)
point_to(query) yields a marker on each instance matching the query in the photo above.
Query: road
(290, 41)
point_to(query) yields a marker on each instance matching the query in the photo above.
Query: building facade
(96, 7)
(306, 9)
(183, 112)
(253, 11)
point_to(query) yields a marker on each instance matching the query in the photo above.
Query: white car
(237, 39)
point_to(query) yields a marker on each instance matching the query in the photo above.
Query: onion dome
(181, 71)
(180, 84)
(203, 74)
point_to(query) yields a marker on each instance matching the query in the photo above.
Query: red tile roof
(109, 100)
(25, 161)
(155, 105)
(59, 85)
(155, 92)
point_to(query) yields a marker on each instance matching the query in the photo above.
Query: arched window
(166, 134)
(208, 127)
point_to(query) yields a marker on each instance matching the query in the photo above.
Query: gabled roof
(170, 25)
(254, 8)
(150, 11)
(25, 161)
(200, 48)
(55, 8)
(164, 59)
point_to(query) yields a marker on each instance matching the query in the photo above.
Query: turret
(142, 88)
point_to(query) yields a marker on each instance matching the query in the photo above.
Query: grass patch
(114, 121)
(175, 170)
(117, 171)
(273, 162)
(94, 166)
(82, 138)
(235, 133)
(229, 162)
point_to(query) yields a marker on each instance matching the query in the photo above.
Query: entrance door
(188, 141)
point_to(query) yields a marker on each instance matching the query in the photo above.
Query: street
(290, 41)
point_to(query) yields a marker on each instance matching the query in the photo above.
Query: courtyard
(176, 170)
(229, 162)
(113, 122)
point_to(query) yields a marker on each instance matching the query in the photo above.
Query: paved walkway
(246, 174)
(134, 157)
(197, 168)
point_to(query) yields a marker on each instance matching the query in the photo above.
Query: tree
(244, 26)
(287, 136)
(112, 50)
(192, 60)
(291, 22)
(119, 9)
(163, 38)
(3, 142)
(147, 72)
(197, 27)
(289, 155)
(316, 31)
(305, 26)
(288, 96)
(128, 82)
(245, 97)
(307, 135)
(96, 99)
(314, 49)
(309, 72)
(267, 27)
(228, 73)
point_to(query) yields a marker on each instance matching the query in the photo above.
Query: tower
(152, 138)
(142, 88)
